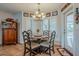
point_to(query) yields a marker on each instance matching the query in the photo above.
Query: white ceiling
(29, 7)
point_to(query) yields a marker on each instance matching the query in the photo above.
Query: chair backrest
(51, 41)
(46, 33)
(25, 36)
(30, 33)
(53, 35)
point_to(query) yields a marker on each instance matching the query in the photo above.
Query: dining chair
(45, 34)
(29, 46)
(30, 33)
(50, 43)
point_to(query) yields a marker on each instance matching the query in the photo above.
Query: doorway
(69, 31)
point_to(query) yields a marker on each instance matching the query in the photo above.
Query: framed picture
(26, 14)
(31, 14)
(54, 13)
(48, 14)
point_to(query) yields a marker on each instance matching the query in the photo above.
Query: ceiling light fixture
(38, 15)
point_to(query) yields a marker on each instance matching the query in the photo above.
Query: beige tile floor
(17, 50)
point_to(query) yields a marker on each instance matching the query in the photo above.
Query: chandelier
(38, 15)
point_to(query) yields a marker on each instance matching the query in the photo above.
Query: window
(49, 24)
(45, 24)
(32, 25)
(53, 23)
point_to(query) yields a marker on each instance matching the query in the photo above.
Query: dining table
(39, 39)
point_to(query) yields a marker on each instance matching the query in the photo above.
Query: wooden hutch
(9, 32)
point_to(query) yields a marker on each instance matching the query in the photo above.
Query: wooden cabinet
(9, 33)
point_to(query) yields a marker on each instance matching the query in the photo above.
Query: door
(12, 36)
(5, 36)
(9, 36)
(69, 30)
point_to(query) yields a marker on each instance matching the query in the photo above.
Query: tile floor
(17, 50)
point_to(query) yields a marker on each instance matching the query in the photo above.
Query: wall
(3, 16)
(76, 34)
(58, 26)
(18, 17)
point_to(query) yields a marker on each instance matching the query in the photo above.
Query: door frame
(70, 7)
(65, 28)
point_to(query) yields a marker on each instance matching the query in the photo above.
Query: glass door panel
(69, 31)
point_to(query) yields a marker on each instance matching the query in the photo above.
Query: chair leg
(46, 50)
(49, 51)
(53, 49)
(24, 51)
(30, 53)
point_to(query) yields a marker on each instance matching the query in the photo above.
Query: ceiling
(29, 7)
